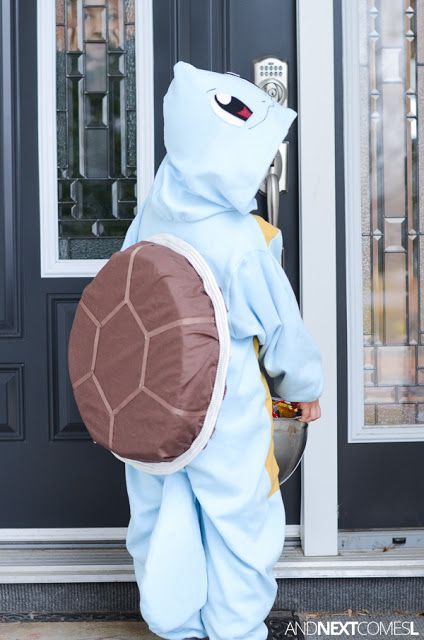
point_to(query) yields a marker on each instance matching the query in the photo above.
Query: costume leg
(241, 586)
(164, 540)
(242, 519)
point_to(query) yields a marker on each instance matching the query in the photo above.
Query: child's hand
(310, 410)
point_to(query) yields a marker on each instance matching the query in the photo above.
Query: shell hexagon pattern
(116, 353)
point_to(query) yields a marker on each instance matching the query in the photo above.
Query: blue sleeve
(261, 302)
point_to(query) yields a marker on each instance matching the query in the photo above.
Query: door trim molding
(10, 167)
(51, 265)
(83, 534)
(315, 54)
(58, 535)
(357, 430)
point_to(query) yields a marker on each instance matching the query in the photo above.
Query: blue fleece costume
(205, 539)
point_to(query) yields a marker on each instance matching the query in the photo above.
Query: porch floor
(137, 630)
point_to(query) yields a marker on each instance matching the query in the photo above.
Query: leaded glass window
(96, 125)
(392, 177)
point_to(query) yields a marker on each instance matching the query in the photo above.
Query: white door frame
(318, 527)
(315, 58)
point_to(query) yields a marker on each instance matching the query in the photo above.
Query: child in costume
(205, 539)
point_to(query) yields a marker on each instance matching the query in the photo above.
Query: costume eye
(230, 109)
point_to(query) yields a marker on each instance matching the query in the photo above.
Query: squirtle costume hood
(204, 539)
(221, 134)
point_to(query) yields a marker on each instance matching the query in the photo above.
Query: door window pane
(96, 125)
(392, 176)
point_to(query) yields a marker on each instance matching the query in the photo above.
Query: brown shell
(143, 353)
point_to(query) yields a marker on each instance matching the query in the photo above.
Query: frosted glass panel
(392, 142)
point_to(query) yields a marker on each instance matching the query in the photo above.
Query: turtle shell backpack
(148, 354)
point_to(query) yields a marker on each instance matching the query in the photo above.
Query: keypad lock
(271, 75)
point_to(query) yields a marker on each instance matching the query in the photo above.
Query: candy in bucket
(285, 409)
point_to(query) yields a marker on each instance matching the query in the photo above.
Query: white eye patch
(230, 109)
(223, 98)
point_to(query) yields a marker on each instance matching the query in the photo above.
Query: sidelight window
(99, 116)
(385, 217)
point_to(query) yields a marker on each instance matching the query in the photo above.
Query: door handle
(271, 75)
(275, 182)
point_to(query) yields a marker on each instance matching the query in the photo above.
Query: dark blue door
(51, 473)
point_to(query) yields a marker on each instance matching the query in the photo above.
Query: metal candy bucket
(290, 437)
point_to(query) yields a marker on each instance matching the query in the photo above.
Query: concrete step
(40, 564)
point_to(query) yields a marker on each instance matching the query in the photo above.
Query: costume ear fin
(183, 67)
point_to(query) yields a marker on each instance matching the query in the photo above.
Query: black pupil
(235, 107)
